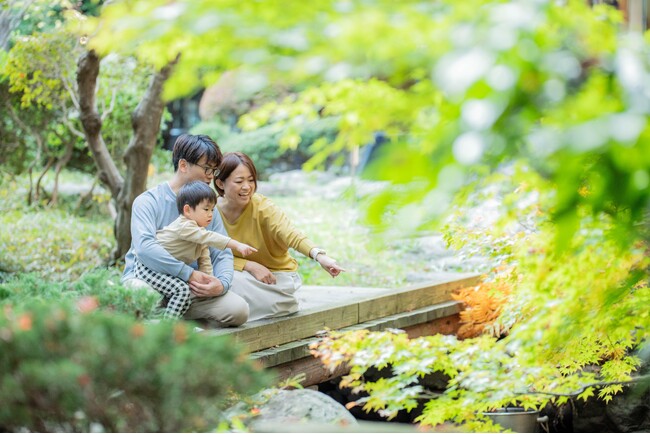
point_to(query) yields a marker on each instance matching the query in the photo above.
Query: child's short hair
(193, 193)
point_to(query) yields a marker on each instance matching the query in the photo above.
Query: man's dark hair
(193, 193)
(192, 148)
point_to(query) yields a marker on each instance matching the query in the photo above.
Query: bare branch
(71, 92)
(111, 107)
(73, 129)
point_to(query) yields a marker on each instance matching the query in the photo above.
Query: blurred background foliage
(539, 108)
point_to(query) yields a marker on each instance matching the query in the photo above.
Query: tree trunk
(146, 127)
(87, 72)
(38, 189)
(63, 161)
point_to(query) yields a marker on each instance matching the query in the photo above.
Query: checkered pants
(173, 288)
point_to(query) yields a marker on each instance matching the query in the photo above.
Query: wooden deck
(282, 343)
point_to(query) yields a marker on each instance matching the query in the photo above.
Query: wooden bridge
(283, 343)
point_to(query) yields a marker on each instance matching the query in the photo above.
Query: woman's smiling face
(239, 186)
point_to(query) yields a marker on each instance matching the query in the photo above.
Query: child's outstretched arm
(243, 249)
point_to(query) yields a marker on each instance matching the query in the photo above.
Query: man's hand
(260, 272)
(204, 285)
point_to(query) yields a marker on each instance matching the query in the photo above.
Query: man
(195, 158)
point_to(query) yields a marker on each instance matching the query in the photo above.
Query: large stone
(302, 405)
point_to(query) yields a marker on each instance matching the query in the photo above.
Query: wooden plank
(310, 296)
(267, 333)
(351, 310)
(413, 297)
(447, 311)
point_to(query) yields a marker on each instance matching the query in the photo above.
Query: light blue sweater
(153, 210)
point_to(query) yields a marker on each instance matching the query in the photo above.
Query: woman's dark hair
(192, 148)
(231, 161)
(193, 193)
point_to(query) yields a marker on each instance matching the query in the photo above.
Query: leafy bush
(214, 128)
(52, 243)
(77, 370)
(103, 284)
(264, 145)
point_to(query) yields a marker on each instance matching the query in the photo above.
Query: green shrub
(67, 369)
(103, 284)
(214, 128)
(263, 144)
(52, 243)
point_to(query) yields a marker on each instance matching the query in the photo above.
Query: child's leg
(173, 288)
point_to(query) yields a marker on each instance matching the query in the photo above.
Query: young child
(186, 238)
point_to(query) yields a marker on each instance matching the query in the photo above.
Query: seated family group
(182, 248)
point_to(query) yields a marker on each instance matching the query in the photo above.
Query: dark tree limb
(87, 73)
(145, 121)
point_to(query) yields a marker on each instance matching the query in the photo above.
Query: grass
(334, 226)
(67, 241)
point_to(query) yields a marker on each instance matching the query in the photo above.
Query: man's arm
(143, 232)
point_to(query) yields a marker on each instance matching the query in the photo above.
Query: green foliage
(41, 73)
(484, 374)
(460, 88)
(74, 369)
(252, 35)
(596, 282)
(102, 284)
(267, 148)
(52, 243)
(214, 128)
(25, 17)
(36, 70)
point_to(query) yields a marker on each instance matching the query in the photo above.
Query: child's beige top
(188, 242)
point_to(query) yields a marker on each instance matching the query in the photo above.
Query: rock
(296, 406)
(626, 412)
(630, 411)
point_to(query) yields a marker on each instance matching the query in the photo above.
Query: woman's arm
(283, 230)
(329, 264)
(260, 272)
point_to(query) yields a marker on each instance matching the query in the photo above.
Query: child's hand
(245, 249)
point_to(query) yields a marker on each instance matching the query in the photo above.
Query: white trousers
(264, 300)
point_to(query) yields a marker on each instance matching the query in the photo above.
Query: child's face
(202, 214)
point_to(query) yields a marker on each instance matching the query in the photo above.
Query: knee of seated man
(239, 313)
(228, 311)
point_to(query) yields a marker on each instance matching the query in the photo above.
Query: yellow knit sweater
(265, 227)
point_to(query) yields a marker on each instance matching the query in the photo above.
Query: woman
(267, 279)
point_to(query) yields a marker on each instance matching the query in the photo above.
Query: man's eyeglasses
(214, 171)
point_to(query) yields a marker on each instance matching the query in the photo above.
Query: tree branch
(73, 129)
(586, 386)
(87, 73)
(111, 107)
